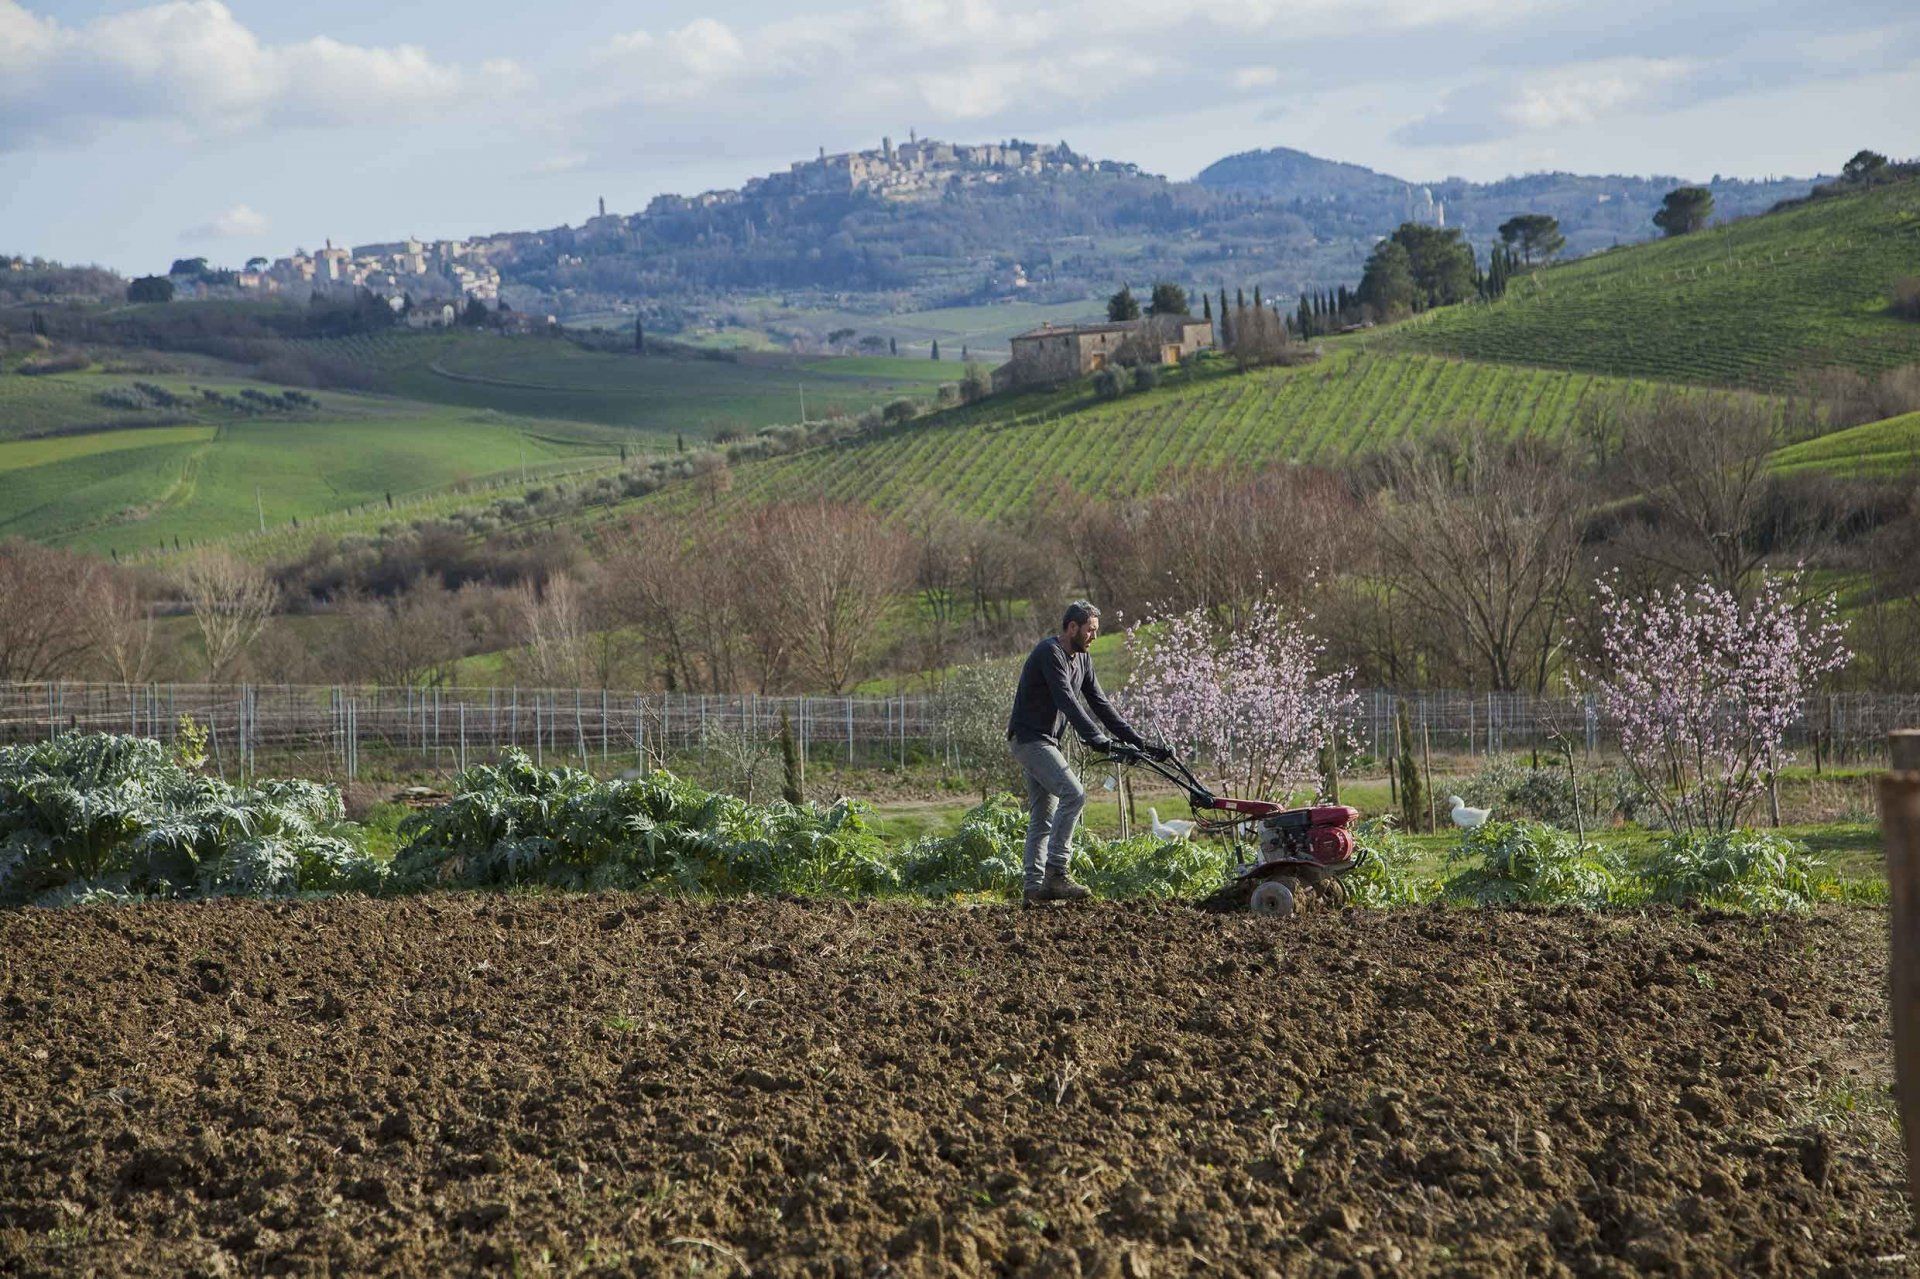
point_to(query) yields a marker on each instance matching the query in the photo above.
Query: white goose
(1468, 818)
(1178, 828)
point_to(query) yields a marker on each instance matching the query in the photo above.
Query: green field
(1755, 303)
(656, 396)
(458, 409)
(1876, 448)
(1352, 402)
(133, 490)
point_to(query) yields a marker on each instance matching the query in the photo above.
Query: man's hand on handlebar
(1154, 752)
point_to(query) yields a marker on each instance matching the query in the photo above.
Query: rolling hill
(186, 448)
(1758, 303)
(1353, 401)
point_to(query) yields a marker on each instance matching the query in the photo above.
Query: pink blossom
(1243, 700)
(1704, 690)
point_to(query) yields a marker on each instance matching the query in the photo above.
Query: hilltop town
(410, 268)
(916, 168)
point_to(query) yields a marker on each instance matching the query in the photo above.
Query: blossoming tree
(1243, 699)
(1704, 689)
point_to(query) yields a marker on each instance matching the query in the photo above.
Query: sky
(133, 132)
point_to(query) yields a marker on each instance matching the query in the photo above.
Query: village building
(1054, 353)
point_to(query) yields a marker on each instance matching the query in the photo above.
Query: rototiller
(1299, 853)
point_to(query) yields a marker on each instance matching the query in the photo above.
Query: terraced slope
(1757, 303)
(1353, 402)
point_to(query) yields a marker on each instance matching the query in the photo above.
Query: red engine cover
(1332, 815)
(1330, 845)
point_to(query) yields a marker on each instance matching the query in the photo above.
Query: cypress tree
(1413, 804)
(1240, 298)
(1256, 296)
(893, 346)
(936, 348)
(790, 788)
(1206, 307)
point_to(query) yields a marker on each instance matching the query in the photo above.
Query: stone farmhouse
(1053, 353)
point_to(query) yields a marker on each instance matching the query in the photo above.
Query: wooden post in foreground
(1900, 827)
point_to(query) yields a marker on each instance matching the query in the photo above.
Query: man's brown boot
(1059, 888)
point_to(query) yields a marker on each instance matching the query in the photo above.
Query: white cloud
(1552, 98)
(934, 61)
(241, 222)
(192, 63)
(1583, 92)
(563, 163)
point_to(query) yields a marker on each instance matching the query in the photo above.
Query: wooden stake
(1900, 825)
(1426, 765)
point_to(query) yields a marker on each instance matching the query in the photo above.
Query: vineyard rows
(1351, 403)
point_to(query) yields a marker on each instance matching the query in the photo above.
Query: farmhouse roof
(1115, 326)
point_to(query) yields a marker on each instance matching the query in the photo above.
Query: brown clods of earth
(624, 1084)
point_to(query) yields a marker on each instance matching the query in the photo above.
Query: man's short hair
(1078, 611)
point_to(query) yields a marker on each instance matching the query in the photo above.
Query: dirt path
(609, 1085)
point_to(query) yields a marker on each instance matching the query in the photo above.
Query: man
(1057, 686)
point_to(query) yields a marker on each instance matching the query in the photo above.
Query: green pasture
(1876, 448)
(104, 494)
(657, 396)
(1755, 303)
(20, 455)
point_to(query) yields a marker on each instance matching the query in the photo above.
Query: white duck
(1468, 818)
(1178, 828)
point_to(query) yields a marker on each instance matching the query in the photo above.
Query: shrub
(1110, 383)
(1379, 877)
(1906, 298)
(1534, 863)
(985, 856)
(1146, 376)
(102, 815)
(1546, 794)
(1738, 870)
(55, 362)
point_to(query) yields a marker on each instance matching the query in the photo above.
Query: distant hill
(889, 230)
(1758, 303)
(1595, 211)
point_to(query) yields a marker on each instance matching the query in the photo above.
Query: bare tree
(414, 637)
(43, 611)
(555, 633)
(1702, 465)
(119, 620)
(1260, 337)
(231, 600)
(657, 579)
(836, 571)
(1481, 543)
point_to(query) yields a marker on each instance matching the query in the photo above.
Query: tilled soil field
(533, 1085)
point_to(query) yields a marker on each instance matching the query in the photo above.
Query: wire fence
(326, 730)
